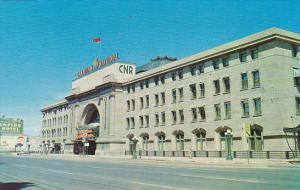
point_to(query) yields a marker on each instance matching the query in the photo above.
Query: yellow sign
(247, 129)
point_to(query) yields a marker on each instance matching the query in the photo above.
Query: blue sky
(44, 43)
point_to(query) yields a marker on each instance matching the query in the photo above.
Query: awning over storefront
(291, 130)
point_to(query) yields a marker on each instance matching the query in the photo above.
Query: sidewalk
(193, 162)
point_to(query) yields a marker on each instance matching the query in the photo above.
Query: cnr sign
(126, 69)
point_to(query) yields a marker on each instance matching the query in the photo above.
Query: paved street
(45, 173)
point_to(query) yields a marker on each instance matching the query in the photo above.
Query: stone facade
(194, 100)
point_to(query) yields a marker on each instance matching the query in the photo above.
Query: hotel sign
(97, 65)
(11, 129)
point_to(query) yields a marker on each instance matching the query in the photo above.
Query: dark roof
(155, 62)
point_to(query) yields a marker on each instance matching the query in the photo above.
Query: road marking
(156, 185)
(58, 171)
(223, 178)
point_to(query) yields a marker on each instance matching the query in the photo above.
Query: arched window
(255, 138)
(200, 138)
(145, 142)
(161, 140)
(222, 139)
(180, 141)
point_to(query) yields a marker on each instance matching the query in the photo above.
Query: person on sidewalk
(190, 153)
(140, 153)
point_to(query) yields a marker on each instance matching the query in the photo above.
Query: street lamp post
(228, 135)
(134, 142)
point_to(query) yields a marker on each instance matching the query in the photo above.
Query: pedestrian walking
(190, 153)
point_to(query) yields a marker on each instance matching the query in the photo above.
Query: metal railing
(223, 154)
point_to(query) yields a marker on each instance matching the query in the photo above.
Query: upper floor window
(194, 114)
(132, 123)
(192, 70)
(202, 90)
(163, 118)
(156, 99)
(147, 101)
(156, 81)
(245, 108)
(217, 86)
(226, 81)
(162, 79)
(257, 106)
(256, 79)
(133, 104)
(128, 88)
(163, 98)
(217, 111)
(141, 122)
(201, 68)
(142, 85)
(156, 120)
(193, 91)
(141, 102)
(173, 76)
(244, 78)
(227, 107)
(294, 51)
(147, 83)
(243, 56)
(174, 96)
(147, 120)
(133, 87)
(254, 53)
(174, 117)
(216, 64)
(128, 105)
(202, 113)
(180, 90)
(297, 99)
(181, 116)
(225, 61)
(180, 74)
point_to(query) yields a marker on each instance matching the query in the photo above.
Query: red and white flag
(97, 40)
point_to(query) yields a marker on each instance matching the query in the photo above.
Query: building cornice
(237, 45)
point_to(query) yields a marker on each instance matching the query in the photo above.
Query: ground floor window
(255, 139)
(161, 143)
(145, 143)
(223, 144)
(179, 142)
(200, 140)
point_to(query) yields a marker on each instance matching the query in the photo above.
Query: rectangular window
(141, 102)
(174, 117)
(156, 120)
(257, 106)
(202, 113)
(192, 70)
(227, 106)
(217, 111)
(128, 105)
(163, 118)
(217, 87)
(194, 114)
(254, 53)
(173, 76)
(244, 78)
(225, 61)
(147, 83)
(193, 91)
(181, 116)
(174, 95)
(156, 81)
(142, 85)
(147, 101)
(147, 120)
(163, 98)
(128, 88)
(201, 68)
(216, 64)
(202, 90)
(180, 90)
(226, 82)
(133, 104)
(162, 79)
(180, 74)
(133, 87)
(245, 108)
(156, 99)
(132, 123)
(243, 56)
(294, 51)
(256, 79)
(128, 123)
(141, 122)
(297, 105)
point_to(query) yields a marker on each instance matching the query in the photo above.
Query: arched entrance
(88, 131)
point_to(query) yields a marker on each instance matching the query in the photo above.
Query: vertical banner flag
(247, 129)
